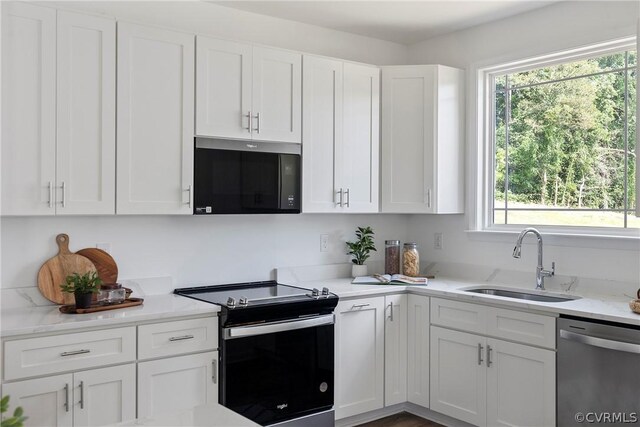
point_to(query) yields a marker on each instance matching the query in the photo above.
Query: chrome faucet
(541, 273)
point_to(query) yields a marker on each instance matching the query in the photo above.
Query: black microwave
(246, 177)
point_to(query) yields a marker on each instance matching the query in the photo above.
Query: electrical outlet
(437, 240)
(104, 246)
(324, 243)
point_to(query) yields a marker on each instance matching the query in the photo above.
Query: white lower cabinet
(489, 382)
(395, 349)
(91, 398)
(177, 383)
(418, 350)
(359, 356)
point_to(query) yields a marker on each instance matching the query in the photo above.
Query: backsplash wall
(192, 250)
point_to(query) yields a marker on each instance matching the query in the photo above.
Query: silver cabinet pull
(489, 356)
(214, 375)
(66, 397)
(189, 190)
(348, 198)
(50, 194)
(64, 194)
(74, 353)
(480, 348)
(181, 338)
(249, 119)
(391, 311)
(354, 306)
(428, 198)
(257, 116)
(81, 394)
(339, 202)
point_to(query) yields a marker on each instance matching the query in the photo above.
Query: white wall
(553, 28)
(210, 19)
(193, 250)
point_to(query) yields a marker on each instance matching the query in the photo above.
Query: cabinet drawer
(46, 355)
(179, 337)
(459, 315)
(528, 328)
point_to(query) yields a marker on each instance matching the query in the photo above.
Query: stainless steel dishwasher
(598, 379)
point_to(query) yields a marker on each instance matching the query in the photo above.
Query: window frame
(481, 199)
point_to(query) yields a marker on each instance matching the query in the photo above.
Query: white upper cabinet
(59, 96)
(422, 139)
(155, 121)
(321, 133)
(361, 141)
(248, 92)
(86, 118)
(340, 136)
(223, 88)
(28, 109)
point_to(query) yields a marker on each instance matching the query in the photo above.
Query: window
(562, 142)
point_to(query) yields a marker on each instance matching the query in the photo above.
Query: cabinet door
(86, 115)
(277, 100)
(418, 350)
(521, 385)
(361, 138)
(359, 352)
(155, 121)
(223, 88)
(395, 349)
(321, 134)
(28, 109)
(104, 396)
(458, 375)
(46, 401)
(177, 383)
(408, 166)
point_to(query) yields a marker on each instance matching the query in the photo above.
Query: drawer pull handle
(74, 353)
(181, 338)
(354, 306)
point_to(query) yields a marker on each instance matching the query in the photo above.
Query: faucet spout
(541, 273)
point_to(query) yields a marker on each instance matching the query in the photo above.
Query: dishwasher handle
(627, 347)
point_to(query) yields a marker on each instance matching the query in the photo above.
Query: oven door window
(278, 376)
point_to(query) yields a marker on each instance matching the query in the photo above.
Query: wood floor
(403, 419)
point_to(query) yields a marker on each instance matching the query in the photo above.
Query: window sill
(628, 241)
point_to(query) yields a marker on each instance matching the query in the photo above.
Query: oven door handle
(600, 342)
(270, 328)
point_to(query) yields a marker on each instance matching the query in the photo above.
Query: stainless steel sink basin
(517, 294)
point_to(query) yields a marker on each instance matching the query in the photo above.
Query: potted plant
(360, 249)
(83, 287)
(18, 418)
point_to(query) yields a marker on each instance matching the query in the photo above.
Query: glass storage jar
(111, 293)
(391, 256)
(410, 260)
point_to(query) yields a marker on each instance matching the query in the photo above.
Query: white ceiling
(399, 21)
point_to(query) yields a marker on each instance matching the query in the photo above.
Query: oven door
(278, 371)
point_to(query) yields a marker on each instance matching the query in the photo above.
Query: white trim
(480, 154)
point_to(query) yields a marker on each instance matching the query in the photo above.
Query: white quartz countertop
(33, 320)
(610, 308)
(212, 415)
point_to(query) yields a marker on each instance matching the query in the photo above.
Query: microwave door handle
(273, 327)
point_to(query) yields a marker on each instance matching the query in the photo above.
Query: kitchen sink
(524, 295)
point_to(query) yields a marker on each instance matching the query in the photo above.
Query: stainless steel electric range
(276, 351)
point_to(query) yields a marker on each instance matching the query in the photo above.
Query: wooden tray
(71, 308)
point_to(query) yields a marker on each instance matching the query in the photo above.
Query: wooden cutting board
(55, 271)
(105, 264)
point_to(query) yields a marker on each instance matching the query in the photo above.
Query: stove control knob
(244, 301)
(325, 292)
(315, 293)
(231, 302)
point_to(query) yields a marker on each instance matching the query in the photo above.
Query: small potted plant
(83, 287)
(360, 249)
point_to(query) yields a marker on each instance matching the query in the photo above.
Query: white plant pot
(358, 270)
